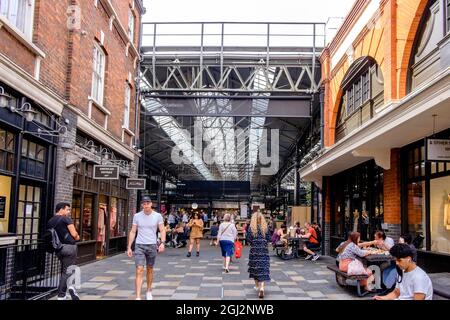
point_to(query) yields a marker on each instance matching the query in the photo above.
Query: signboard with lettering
(106, 172)
(438, 150)
(2, 207)
(136, 184)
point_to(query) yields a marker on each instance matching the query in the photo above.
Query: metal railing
(28, 272)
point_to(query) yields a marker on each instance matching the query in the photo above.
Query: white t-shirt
(147, 225)
(416, 281)
(389, 242)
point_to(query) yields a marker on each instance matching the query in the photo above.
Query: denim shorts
(145, 254)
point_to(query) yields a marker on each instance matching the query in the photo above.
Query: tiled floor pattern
(178, 277)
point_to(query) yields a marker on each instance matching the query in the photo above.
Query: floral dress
(259, 260)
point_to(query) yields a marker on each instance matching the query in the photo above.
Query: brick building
(386, 77)
(72, 65)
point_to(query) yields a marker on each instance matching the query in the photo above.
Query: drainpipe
(322, 122)
(138, 92)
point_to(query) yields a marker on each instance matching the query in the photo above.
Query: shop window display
(440, 214)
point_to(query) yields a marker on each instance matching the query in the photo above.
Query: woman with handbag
(258, 236)
(226, 237)
(349, 252)
(196, 225)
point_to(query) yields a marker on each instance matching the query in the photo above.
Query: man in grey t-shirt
(413, 283)
(146, 223)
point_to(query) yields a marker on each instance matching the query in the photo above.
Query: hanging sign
(106, 172)
(438, 150)
(2, 207)
(136, 184)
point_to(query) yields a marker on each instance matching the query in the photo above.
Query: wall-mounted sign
(106, 172)
(2, 207)
(136, 184)
(438, 150)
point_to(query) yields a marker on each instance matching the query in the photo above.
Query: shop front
(27, 173)
(100, 208)
(356, 203)
(426, 204)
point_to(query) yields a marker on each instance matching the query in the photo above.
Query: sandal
(261, 293)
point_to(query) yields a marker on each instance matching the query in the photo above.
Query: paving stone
(174, 276)
(91, 284)
(107, 287)
(119, 293)
(163, 292)
(315, 294)
(318, 281)
(212, 285)
(115, 272)
(298, 278)
(233, 293)
(188, 288)
(184, 296)
(102, 279)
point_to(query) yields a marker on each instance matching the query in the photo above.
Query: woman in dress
(258, 237)
(196, 225)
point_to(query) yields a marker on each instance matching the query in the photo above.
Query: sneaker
(149, 295)
(315, 257)
(62, 298)
(138, 299)
(309, 256)
(289, 251)
(198, 254)
(73, 293)
(188, 255)
(227, 271)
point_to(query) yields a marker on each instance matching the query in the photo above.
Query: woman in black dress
(259, 237)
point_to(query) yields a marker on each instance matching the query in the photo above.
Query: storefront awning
(398, 124)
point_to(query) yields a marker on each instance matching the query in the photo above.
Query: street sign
(136, 184)
(106, 172)
(438, 150)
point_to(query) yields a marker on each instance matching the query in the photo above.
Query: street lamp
(4, 98)
(27, 111)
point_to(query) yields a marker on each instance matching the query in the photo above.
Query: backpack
(319, 235)
(51, 239)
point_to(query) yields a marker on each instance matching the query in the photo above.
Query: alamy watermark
(226, 148)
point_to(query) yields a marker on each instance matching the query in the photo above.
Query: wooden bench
(342, 276)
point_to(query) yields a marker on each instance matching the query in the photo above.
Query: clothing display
(101, 232)
(447, 215)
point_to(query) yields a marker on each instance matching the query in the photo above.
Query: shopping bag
(356, 268)
(238, 249)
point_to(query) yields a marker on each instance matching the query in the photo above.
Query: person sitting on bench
(349, 251)
(311, 243)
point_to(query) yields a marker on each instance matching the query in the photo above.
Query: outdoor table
(382, 260)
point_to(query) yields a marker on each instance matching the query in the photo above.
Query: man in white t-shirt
(413, 283)
(146, 223)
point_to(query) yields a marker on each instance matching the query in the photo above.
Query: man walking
(67, 234)
(146, 223)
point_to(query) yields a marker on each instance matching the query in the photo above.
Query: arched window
(427, 58)
(362, 95)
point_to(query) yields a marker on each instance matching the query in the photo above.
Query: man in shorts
(146, 223)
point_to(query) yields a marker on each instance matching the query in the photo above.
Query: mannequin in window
(447, 213)
(101, 228)
(113, 221)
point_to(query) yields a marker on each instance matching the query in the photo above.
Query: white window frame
(131, 24)
(28, 17)
(126, 112)
(98, 73)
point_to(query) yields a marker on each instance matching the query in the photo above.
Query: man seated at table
(381, 241)
(311, 243)
(412, 282)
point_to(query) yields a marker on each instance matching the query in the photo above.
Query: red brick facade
(392, 190)
(67, 66)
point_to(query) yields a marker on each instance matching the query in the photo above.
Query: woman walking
(227, 235)
(196, 225)
(258, 236)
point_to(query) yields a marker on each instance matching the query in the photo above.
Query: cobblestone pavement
(179, 277)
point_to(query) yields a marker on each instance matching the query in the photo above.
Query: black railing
(28, 272)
